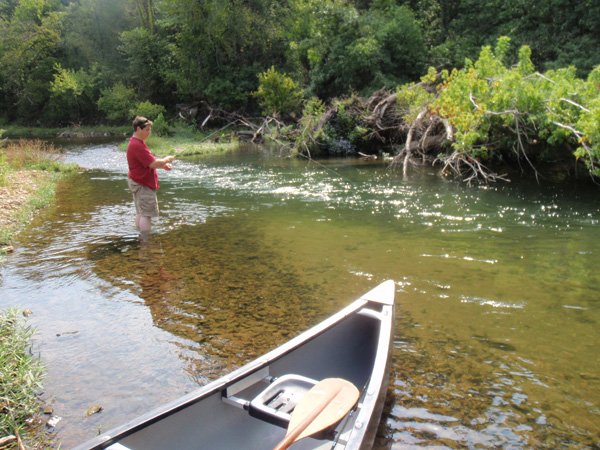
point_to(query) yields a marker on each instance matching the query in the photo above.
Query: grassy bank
(182, 146)
(180, 139)
(184, 140)
(29, 172)
(21, 132)
(20, 383)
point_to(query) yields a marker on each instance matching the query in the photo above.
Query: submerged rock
(94, 409)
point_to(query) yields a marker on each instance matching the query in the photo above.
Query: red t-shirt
(139, 159)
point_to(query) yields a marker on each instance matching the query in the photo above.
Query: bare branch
(581, 141)
(449, 131)
(576, 132)
(544, 77)
(522, 148)
(571, 102)
(493, 113)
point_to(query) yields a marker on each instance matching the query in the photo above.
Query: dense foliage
(500, 111)
(79, 62)
(559, 32)
(496, 112)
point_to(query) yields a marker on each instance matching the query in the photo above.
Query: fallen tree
(470, 121)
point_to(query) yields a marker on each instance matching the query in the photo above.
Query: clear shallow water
(497, 312)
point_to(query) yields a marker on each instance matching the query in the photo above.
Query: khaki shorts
(144, 198)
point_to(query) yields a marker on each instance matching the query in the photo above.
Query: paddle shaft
(290, 438)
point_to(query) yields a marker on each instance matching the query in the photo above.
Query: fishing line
(324, 166)
(220, 129)
(213, 133)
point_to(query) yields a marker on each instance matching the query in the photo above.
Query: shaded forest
(324, 66)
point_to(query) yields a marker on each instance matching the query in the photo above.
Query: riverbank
(25, 192)
(29, 172)
(179, 139)
(21, 132)
(21, 423)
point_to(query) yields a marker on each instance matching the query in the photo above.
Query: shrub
(160, 127)
(500, 111)
(310, 132)
(149, 110)
(278, 95)
(3, 168)
(116, 102)
(21, 374)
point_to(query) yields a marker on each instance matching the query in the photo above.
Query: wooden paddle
(324, 405)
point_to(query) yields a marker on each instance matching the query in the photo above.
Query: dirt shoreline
(20, 188)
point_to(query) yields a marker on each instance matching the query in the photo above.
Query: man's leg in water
(144, 224)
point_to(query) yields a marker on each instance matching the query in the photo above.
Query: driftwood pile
(426, 134)
(426, 139)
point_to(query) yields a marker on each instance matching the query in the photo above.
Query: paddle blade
(323, 406)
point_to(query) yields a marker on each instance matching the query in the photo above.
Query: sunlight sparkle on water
(492, 303)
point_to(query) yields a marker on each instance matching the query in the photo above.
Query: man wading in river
(142, 176)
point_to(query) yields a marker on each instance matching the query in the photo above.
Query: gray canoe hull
(354, 344)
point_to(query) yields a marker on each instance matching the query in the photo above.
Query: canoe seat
(276, 403)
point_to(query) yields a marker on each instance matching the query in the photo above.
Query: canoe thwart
(276, 403)
(230, 394)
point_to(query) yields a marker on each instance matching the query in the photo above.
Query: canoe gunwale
(373, 397)
(370, 398)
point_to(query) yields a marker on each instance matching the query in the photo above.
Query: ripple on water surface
(497, 317)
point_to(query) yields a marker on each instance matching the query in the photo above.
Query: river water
(497, 329)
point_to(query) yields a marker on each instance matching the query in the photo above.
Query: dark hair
(141, 122)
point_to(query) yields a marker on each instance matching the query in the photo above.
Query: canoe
(250, 408)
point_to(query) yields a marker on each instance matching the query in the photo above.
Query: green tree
(147, 63)
(92, 33)
(559, 32)
(219, 47)
(278, 94)
(145, 10)
(345, 50)
(116, 102)
(66, 95)
(29, 49)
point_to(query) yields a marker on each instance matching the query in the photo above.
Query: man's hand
(168, 160)
(163, 163)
